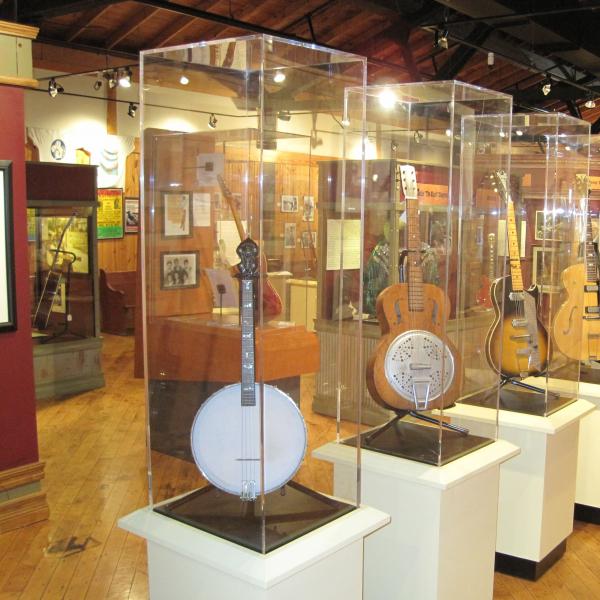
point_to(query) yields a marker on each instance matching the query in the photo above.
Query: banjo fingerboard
(247, 319)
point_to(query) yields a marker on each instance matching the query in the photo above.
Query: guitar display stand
(518, 383)
(400, 414)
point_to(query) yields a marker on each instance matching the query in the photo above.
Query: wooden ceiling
(531, 40)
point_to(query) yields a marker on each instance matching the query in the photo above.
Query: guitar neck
(513, 248)
(416, 301)
(591, 264)
(247, 320)
(492, 255)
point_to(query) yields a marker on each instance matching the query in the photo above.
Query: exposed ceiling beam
(35, 10)
(130, 26)
(85, 21)
(573, 108)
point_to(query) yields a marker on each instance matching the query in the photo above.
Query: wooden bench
(117, 301)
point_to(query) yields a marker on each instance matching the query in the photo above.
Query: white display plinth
(537, 488)
(440, 543)
(185, 563)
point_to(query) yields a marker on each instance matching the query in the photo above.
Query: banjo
(226, 433)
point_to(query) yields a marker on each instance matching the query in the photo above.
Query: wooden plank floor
(94, 448)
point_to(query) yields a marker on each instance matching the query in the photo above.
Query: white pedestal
(185, 563)
(537, 488)
(440, 543)
(587, 489)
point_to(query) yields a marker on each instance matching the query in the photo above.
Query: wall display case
(551, 319)
(61, 222)
(231, 161)
(429, 212)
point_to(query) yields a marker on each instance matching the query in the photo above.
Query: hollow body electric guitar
(271, 302)
(517, 343)
(483, 295)
(576, 328)
(226, 433)
(414, 366)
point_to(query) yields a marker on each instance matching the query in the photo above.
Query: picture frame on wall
(308, 208)
(177, 214)
(545, 262)
(551, 227)
(132, 215)
(110, 214)
(8, 315)
(289, 204)
(289, 235)
(179, 270)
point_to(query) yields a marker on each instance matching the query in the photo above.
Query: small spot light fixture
(110, 78)
(98, 82)
(547, 86)
(125, 78)
(590, 102)
(440, 39)
(284, 115)
(491, 59)
(132, 109)
(387, 98)
(417, 136)
(184, 79)
(212, 121)
(279, 76)
(345, 122)
(54, 88)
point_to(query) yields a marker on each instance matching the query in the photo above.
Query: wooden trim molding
(23, 511)
(18, 81)
(18, 30)
(24, 505)
(19, 476)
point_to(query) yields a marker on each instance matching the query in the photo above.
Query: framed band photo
(177, 214)
(8, 316)
(178, 270)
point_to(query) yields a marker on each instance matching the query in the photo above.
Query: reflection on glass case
(427, 213)
(551, 314)
(232, 222)
(63, 275)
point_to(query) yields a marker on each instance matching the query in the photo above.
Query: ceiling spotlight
(132, 109)
(184, 79)
(125, 78)
(449, 132)
(547, 86)
(519, 132)
(212, 121)
(55, 88)
(284, 115)
(279, 77)
(345, 123)
(98, 82)
(590, 103)
(387, 98)
(110, 78)
(441, 39)
(490, 60)
(417, 136)
(502, 134)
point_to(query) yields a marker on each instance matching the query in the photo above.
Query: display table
(537, 489)
(440, 543)
(587, 490)
(189, 564)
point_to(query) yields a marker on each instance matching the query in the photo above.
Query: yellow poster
(110, 213)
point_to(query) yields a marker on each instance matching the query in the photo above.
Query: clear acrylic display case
(548, 190)
(63, 271)
(428, 207)
(234, 133)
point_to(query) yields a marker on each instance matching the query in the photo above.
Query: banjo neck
(248, 273)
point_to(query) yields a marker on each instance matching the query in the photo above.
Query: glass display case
(231, 160)
(429, 208)
(551, 263)
(63, 277)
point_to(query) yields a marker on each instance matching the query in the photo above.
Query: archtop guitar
(576, 327)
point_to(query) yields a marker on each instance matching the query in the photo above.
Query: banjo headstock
(248, 253)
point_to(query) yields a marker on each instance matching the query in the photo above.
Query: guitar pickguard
(530, 310)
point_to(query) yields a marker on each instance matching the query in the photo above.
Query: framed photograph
(309, 239)
(110, 213)
(546, 263)
(8, 315)
(289, 235)
(132, 215)
(289, 204)
(178, 270)
(308, 208)
(177, 211)
(551, 227)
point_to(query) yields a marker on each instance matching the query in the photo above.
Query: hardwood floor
(94, 448)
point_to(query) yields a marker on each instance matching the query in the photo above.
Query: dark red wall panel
(18, 435)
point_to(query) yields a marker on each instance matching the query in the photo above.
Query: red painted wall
(18, 434)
